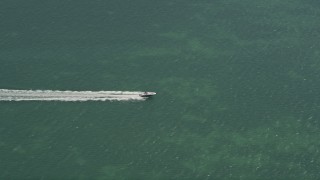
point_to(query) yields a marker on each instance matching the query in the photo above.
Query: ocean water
(237, 87)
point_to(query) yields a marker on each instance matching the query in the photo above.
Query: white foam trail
(51, 95)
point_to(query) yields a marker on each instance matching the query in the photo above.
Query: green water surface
(237, 87)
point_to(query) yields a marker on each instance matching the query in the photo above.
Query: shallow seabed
(237, 87)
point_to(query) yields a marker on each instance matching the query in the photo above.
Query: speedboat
(147, 94)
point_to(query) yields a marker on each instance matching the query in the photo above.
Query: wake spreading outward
(50, 95)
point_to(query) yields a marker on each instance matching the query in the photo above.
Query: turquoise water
(237, 89)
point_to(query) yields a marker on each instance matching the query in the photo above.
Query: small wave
(53, 95)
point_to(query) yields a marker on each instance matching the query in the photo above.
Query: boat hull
(147, 94)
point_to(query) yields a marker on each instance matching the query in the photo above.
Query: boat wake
(51, 95)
